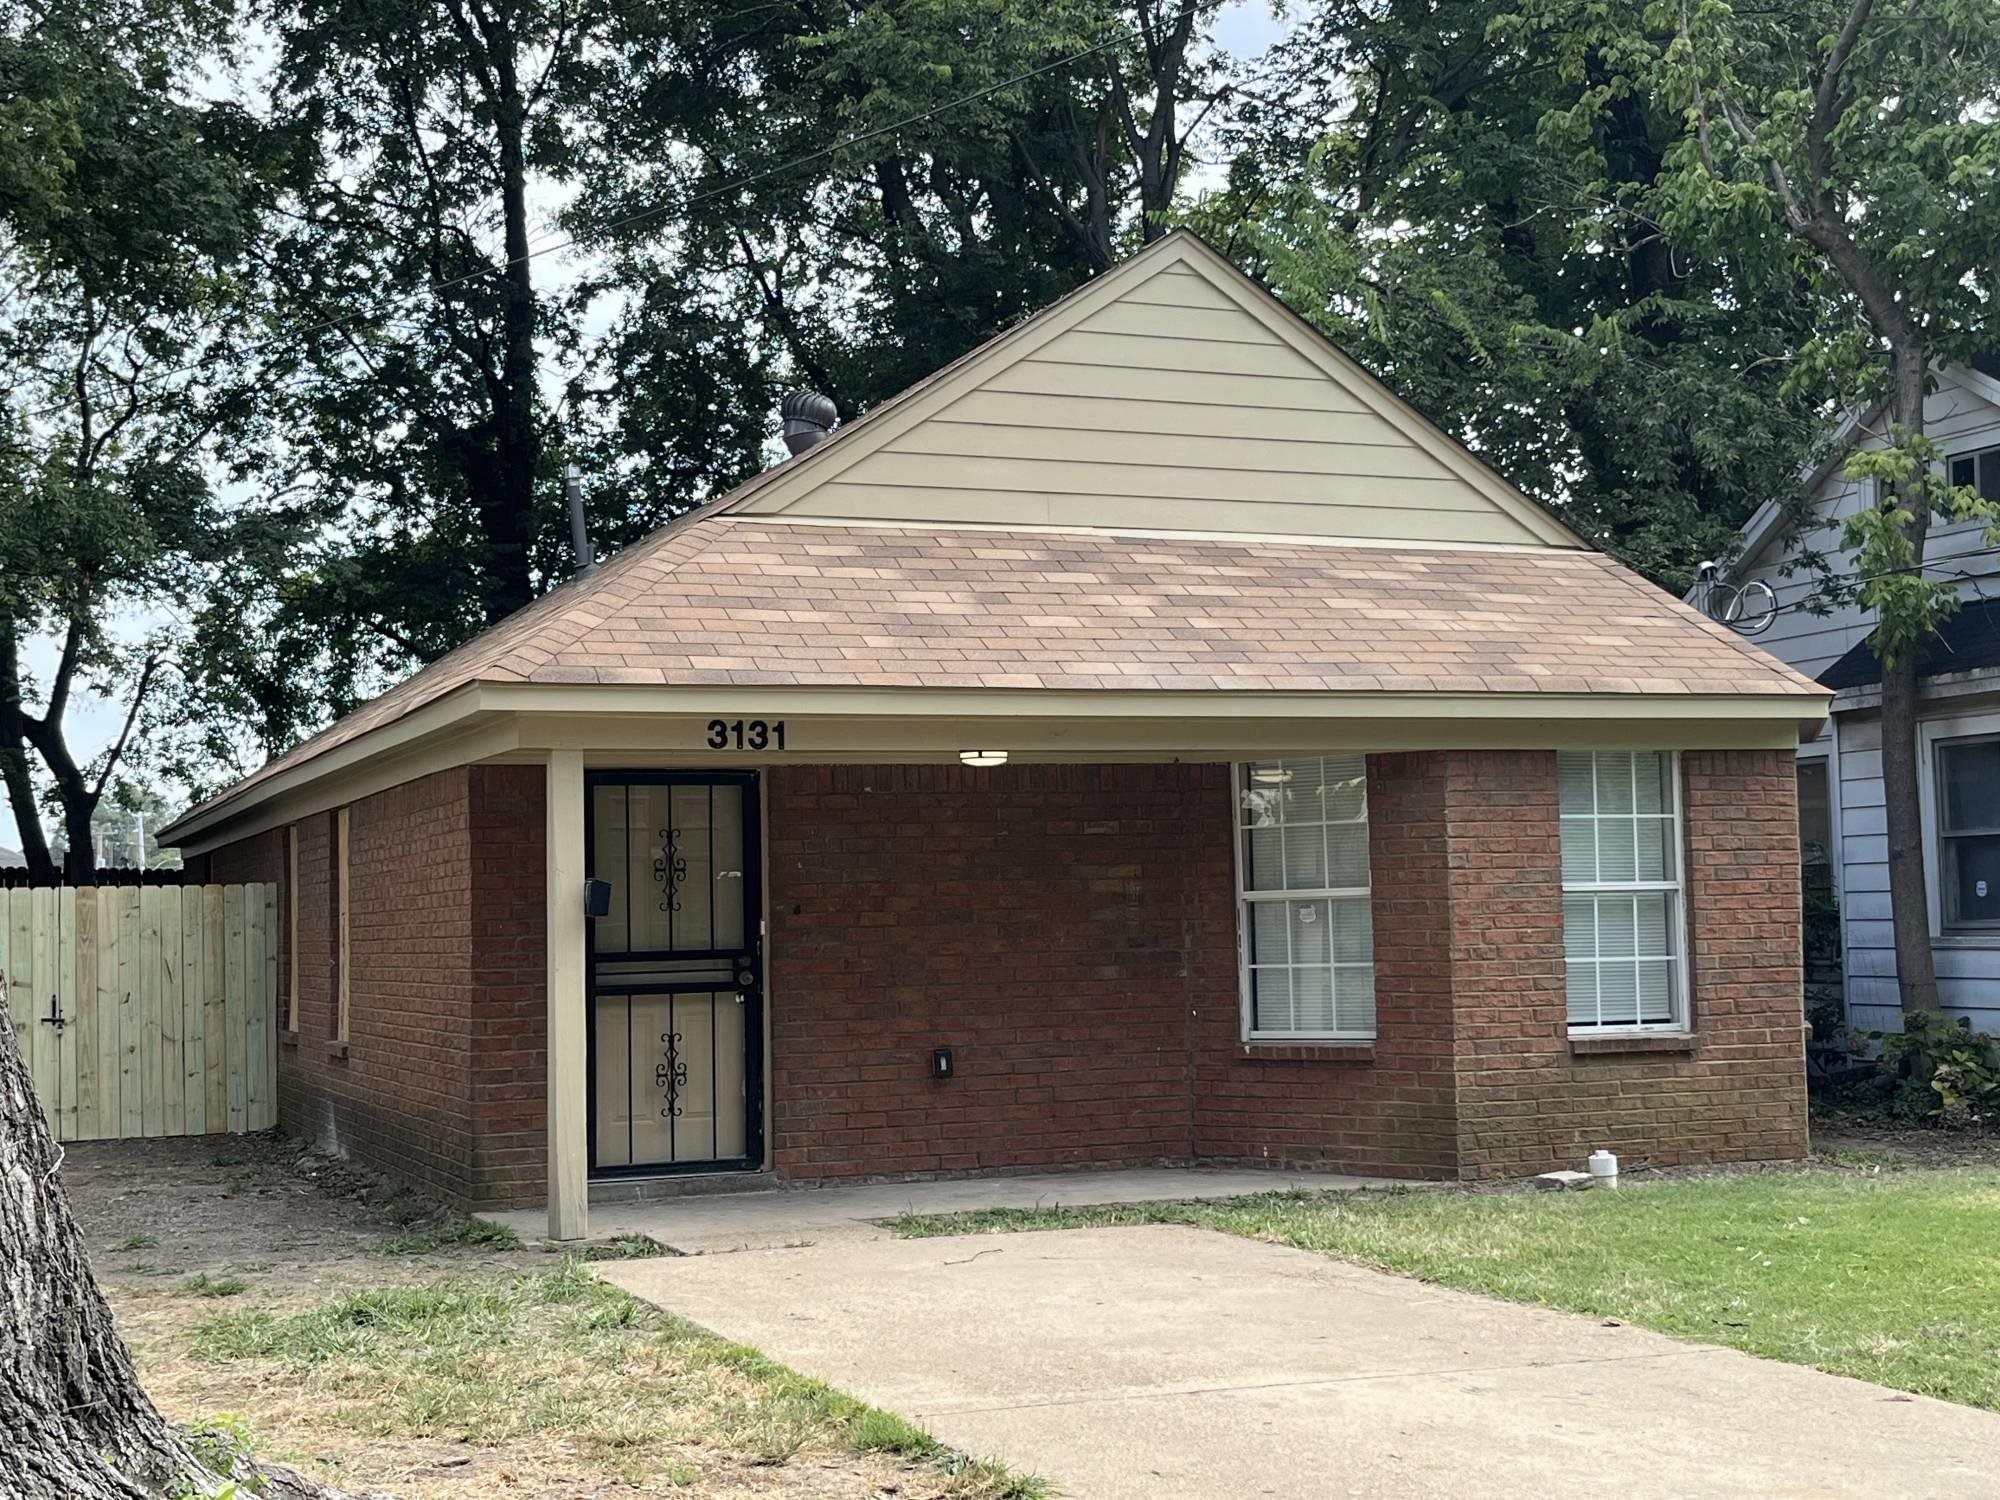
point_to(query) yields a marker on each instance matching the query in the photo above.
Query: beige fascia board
(1148, 533)
(673, 740)
(1007, 704)
(374, 762)
(505, 722)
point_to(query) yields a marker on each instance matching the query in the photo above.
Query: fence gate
(146, 1010)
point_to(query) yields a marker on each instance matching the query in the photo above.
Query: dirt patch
(1857, 1143)
(185, 1233)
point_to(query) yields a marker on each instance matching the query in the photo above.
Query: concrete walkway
(703, 1223)
(1172, 1363)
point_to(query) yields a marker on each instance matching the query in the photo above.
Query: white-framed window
(1968, 833)
(1306, 934)
(1624, 935)
(1979, 470)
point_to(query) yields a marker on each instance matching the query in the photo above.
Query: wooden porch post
(569, 1159)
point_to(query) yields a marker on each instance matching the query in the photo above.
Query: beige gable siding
(1172, 400)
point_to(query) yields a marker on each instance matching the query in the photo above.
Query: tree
(1861, 141)
(127, 213)
(414, 423)
(998, 155)
(1396, 185)
(77, 1421)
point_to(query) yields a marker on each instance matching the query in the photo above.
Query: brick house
(1145, 740)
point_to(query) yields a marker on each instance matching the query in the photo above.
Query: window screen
(1622, 930)
(1309, 956)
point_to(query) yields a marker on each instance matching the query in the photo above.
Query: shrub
(1943, 1070)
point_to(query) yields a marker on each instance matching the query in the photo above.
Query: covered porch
(994, 942)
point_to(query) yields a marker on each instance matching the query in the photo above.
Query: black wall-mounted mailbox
(597, 898)
(941, 1062)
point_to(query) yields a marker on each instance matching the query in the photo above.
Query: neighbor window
(1968, 832)
(1979, 471)
(1308, 940)
(1622, 926)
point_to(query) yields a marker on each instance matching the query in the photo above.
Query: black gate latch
(55, 1016)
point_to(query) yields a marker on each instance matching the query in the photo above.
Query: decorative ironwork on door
(670, 869)
(671, 1075)
(678, 957)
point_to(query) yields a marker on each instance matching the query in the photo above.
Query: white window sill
(1967, 939)
(1589, 1043)
(1309, 1049)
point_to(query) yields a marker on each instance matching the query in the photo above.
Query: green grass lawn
(1893, 1278)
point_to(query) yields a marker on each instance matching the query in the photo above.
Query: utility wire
(1942, 564)
(646, 215)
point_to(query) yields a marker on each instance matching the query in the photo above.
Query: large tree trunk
(509, 515)
(1909, 881)
(15, 772)
(74, 1421)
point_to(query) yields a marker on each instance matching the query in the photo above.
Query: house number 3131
(746, 734)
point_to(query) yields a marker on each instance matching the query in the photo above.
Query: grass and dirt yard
(336, 1324)
(1880, 1259)
(352, 1330)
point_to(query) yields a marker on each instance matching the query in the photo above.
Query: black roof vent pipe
(579, 532)
(809, 419)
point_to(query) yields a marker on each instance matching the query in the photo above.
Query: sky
(1244, 28)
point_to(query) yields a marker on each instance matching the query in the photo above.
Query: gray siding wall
(1968, 972)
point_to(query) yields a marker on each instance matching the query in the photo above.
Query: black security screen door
(676, 973)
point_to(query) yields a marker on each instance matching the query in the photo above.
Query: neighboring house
(1840, 770)
(1146, 740)
(12, 858)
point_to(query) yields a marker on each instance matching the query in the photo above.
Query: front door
(676, 973)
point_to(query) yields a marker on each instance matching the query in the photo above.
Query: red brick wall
(1386, 1110)
(509, 981)
(1529, 1100)
(1069, 931)
(1058, 927)
(398, 1097)
(1000, 889)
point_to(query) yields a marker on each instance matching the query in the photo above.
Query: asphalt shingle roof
(715, 599)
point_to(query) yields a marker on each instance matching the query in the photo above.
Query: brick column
(1413, 1088)
(1506, 953)
(1743, 899)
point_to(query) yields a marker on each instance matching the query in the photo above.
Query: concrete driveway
(1166, 1362)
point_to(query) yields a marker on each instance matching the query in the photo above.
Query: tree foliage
(1467, 202)
(128, 213)
(1855, 146)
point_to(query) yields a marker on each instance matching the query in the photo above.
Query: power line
(1943, 565)
(646, 215)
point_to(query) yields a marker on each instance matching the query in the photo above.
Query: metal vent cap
(808, 419)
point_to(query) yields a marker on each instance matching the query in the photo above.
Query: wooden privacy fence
(146, 1010)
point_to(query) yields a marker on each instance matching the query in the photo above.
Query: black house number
(746, 734)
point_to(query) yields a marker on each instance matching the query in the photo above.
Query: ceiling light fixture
(983, 757)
